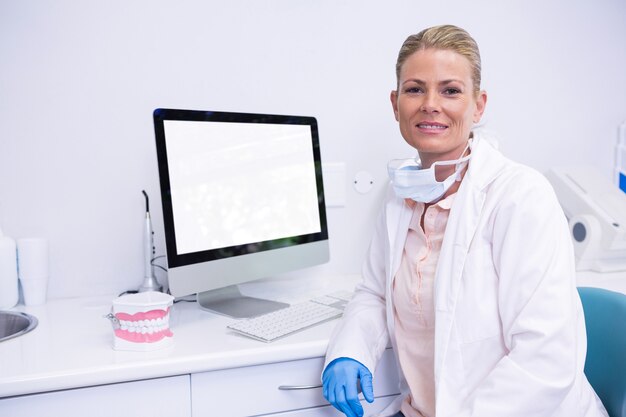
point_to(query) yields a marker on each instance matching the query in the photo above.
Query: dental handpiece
(149, 282)
(147, 240)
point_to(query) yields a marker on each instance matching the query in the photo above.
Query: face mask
(409, 180)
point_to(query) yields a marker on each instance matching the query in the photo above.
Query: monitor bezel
(174, 259)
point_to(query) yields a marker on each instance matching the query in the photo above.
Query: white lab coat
(509, 327)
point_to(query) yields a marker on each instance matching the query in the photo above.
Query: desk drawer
(255, 390)
(162, 397)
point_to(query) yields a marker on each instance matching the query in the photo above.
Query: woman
(470, 274)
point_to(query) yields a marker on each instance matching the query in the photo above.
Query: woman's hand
(340, 385)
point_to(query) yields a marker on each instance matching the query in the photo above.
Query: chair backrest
(605, 367)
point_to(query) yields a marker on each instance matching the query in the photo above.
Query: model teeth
(145, 326)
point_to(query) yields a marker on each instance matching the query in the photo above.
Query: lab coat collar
(486, 162)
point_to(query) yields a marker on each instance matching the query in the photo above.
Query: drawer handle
(298, 387)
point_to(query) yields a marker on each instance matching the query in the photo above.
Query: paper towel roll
(32, 258)
(9, 294)
(35, 291)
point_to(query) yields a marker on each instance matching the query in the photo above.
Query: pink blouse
(414, 310)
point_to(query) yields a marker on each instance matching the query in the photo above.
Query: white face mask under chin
(409, 180)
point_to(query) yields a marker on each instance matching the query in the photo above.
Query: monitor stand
(228, 301)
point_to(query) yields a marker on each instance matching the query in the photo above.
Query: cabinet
(162, 397)
(272, 389)
(279, 389)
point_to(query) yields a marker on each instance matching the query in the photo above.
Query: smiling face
(436, 103)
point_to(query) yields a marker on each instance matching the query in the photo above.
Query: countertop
(72, 345)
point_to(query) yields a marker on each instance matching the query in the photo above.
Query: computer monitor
(242, 199)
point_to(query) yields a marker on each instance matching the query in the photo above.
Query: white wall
(79, 81)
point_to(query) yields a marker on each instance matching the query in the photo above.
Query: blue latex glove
(340, 385)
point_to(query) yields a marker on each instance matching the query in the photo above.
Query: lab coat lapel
(460, 230)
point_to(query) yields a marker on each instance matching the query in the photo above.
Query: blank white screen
(238, 183)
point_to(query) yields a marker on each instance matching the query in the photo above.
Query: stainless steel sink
(13, 324)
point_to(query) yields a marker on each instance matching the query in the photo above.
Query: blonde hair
(448, 37)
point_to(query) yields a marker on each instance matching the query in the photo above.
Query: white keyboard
(280, 323)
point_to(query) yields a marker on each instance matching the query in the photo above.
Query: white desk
(614, 281)
(67, 367)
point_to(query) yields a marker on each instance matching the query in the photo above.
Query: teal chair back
(605, 367)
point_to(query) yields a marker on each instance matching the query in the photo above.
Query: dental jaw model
(141, 322)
